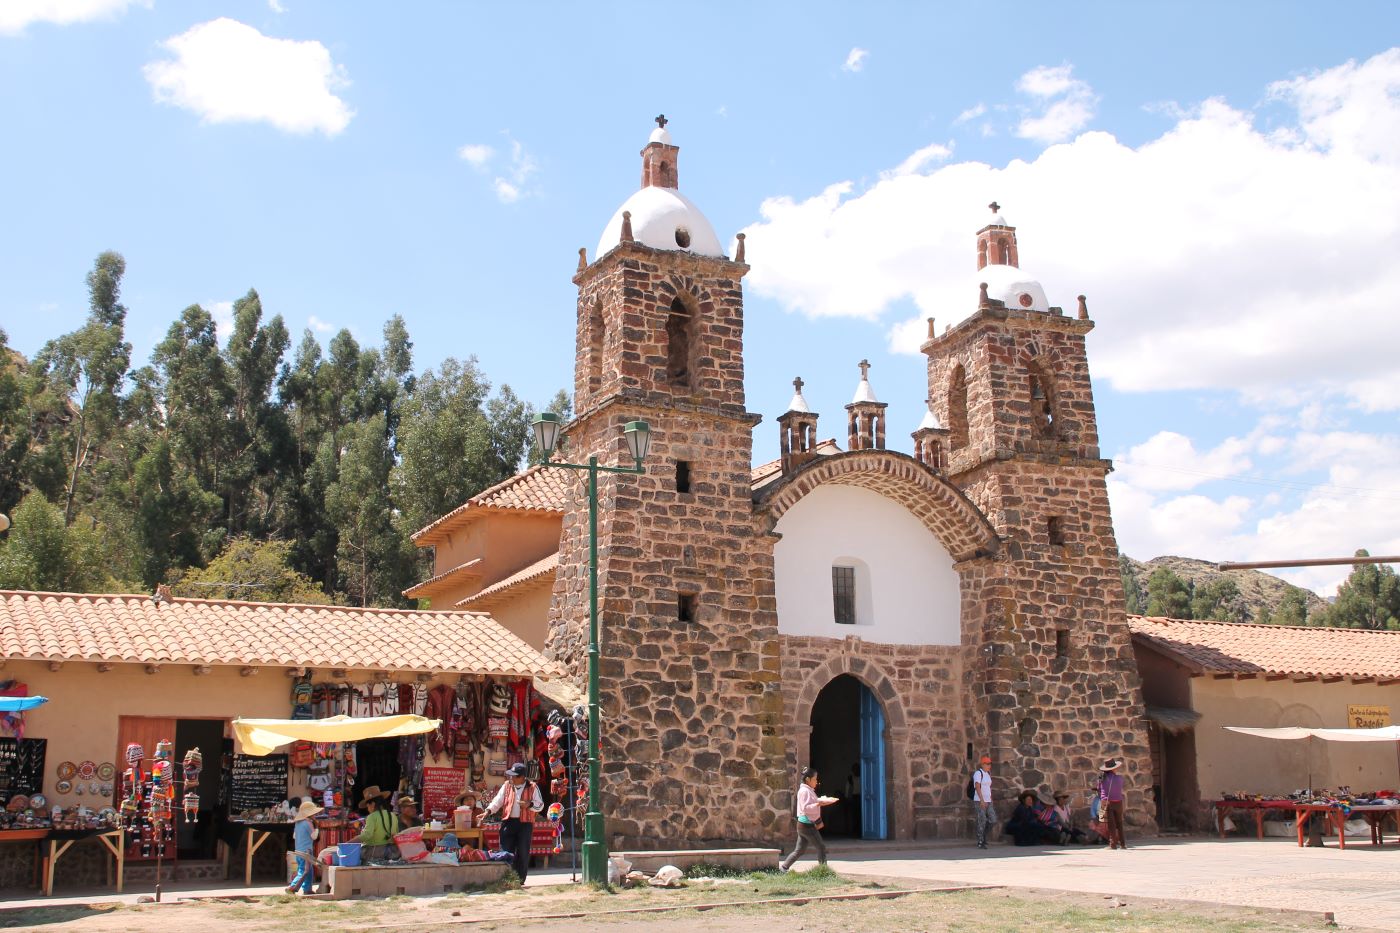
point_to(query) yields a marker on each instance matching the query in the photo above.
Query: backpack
(972, 785)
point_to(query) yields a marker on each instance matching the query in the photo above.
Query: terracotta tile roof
(539, 490)
(434, 585)
(765, 472)
(79, 627)
(1239, 648)
(537, 574)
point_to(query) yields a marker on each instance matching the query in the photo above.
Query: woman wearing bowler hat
(1111, 802)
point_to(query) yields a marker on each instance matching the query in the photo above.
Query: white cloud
(478, 155)
(318, 325)
(855, 59)
(1169, 460)
(276, 6)
(722, 110)
(228, 72)
(1216, 256)
(15, 15)
(1064, 104)
(511, 175)
(921, 159)
(971, 113)
(222, 313)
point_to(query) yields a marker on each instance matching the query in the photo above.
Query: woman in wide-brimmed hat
(381, 826)
(1111, 802)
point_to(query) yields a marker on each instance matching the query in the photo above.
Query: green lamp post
(638, 433)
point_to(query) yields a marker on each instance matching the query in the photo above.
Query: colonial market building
(123, 669)
(1199, 677)
(886, 615)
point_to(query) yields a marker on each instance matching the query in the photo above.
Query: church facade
(886, 617)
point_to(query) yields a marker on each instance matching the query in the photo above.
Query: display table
(257, 834)
(1373, 814)
(541, 840)
(36, 836)
(61, 840)
(1254, 808)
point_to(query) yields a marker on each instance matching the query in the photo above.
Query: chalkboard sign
(257, 782)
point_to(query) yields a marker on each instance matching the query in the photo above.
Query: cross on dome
(798, 384)
(798, 403)
(863, 391)
(864, 370)
(661, 120)
(995, 207)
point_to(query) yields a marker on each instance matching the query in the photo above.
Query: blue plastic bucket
(349, 854)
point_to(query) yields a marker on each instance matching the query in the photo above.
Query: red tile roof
(1239, 648)
(122, 628)
(434, 585)
(539, 573)
(539, 490)
(765, 472)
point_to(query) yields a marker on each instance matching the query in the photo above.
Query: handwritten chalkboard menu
(257, 782)
(440, 789)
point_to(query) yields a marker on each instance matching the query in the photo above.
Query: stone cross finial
(661, 120)
(994, 206)
(798, 384)
(864, 370)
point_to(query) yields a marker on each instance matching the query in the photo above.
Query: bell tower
(692, 702)
(1058, 688)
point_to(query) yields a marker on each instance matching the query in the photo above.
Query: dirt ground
(986, 909)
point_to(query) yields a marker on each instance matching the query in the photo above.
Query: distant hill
(1257, 589)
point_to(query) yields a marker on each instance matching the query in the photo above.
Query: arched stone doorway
(849, 749)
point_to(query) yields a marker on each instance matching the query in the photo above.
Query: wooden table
(1255, 808)
(36, 836)
(475, 835)
(258, 833)
(1373, 814)
(60, 841)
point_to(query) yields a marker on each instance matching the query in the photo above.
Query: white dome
(930, 421)
(663, 218)
(864, 393)
(1012, 286)
(660, 135)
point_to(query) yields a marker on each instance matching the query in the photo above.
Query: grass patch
(510, 881)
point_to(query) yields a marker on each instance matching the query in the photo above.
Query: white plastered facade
(907, 592)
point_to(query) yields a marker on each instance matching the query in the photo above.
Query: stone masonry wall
(692, 710)
(1057, 690)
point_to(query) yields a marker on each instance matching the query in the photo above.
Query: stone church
(884, 616)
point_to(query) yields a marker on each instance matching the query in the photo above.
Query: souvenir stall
(1329, 810)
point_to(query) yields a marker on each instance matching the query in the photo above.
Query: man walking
(982, 800)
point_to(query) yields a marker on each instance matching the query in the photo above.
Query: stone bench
(342, 881)
(738, 859)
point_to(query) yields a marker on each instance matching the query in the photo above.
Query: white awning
(1383, 734)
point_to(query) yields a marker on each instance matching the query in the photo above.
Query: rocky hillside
(1257, 589)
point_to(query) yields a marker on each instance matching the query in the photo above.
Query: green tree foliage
(83, 371)
(1220, 600)
(1168, 595)
(230, 460)
(1292, 608)
(255, 571)
(1131, 593)
(40, 552)
(1369, 599)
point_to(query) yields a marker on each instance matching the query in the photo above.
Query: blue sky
(1222, 181)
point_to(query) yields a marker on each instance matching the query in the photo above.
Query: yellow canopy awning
(264, 736)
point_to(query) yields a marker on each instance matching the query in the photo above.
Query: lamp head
(546, 427)
(638, 434)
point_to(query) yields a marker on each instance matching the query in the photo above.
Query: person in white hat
(1111, 802)
(303, 839)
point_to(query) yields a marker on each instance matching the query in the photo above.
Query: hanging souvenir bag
(500, 700)
(302, 755)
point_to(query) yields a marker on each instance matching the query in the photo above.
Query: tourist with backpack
(979, 791)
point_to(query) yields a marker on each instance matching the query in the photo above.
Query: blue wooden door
(872, 766)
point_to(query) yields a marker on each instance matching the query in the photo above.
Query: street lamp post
(638, 433)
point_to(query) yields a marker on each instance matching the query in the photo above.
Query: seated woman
(1026, 826)
(1065, 819)
(381, 826)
